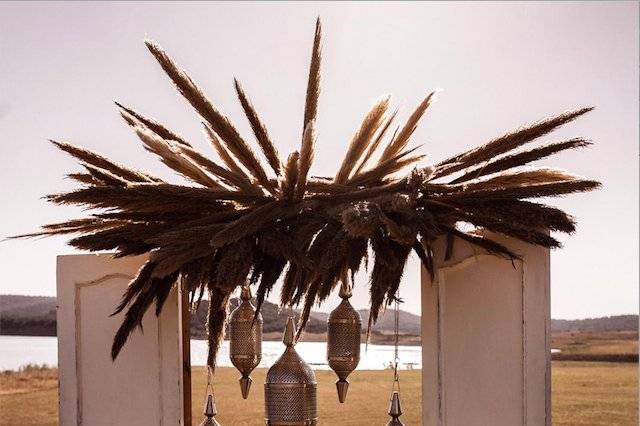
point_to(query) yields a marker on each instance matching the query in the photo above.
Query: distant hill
(27, 315)
(36, 316)
(613, 323)
(409, 323)
(274, 320)
(27, 306)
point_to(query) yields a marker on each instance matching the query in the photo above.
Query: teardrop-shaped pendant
(344, 328)
(245, 339)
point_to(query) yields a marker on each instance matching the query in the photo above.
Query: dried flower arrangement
(240, 221)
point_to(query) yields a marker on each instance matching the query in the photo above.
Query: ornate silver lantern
(290, 387)
(394, 410)
(245, 339)
(344, 327)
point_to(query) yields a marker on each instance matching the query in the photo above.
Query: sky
(500, 65)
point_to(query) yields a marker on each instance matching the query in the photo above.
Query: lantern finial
(245, 293)
(345, 290)
(289, 337)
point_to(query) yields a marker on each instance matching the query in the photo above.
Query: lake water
(16, 351)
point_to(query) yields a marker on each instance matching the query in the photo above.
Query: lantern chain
(396, 330)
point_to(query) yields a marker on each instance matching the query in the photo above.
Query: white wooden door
(486, 339)
(144, 386)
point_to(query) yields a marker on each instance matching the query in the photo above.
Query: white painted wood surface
(143, 386)
(486, 338)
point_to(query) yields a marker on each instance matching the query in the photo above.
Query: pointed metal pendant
(245, 339)
(210, 412)
(394, 410)
(344, 327)
(245, 385)
(342, 386)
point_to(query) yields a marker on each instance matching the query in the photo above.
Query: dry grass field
(584, 393)
(594, 393)
(584, 344)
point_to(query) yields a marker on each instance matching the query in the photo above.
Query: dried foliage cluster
(240, 221)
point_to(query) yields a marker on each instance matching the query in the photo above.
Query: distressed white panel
(485, 336)
(143, 386)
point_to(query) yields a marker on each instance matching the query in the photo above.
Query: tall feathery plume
(101, 162)
(399, 142)
(506, 143)
(173, 158)
(218, 122)
(133, 118)
(306, 158)
(376, 143)
(521, 158)
(362, 139)
(313, 83)
(259, 130)
(288, 183)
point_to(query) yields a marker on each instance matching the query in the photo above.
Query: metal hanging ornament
(394, 403)
(210, 404)
(245, 339)
(290, 387)
(394, 409)
(344, 328)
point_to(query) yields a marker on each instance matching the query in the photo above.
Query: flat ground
(596, 345)
(584, 393)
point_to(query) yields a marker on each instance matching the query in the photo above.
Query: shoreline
(276, 336)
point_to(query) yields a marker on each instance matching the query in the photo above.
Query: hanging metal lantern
(210, 412)
(394, 410)
(245, 339)
(344, 327)
(290, 387)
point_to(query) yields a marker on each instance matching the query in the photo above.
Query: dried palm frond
(306, 158)
(288, 184)
(505, 143)
(386, 168)
(133, 119)
(522, 158)
(224, 154)
(216, 317)
(225, 175)
(259, 130)
(218, 122)
(97, 160)
(236, 224)
(171, 157)
(362, 139)
(399, 142)
(376, 143)
(84, 178)
(104, 177)
(313, 83)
